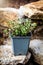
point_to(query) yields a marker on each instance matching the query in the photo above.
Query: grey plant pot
(20, 44)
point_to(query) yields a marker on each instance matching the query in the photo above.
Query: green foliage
(22, 28)
(5, 31)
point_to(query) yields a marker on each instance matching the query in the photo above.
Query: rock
(14, 3)
(33, 10)
(37, 46)
(8, 14)
(7, 56)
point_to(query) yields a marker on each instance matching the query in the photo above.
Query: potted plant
(21, 35)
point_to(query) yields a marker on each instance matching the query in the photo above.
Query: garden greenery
(22, 28)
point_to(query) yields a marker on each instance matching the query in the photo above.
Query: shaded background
(14, 3)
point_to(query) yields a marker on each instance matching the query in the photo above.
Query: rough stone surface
(7, 56)
(37, 46)
(8, 14)
(14, 3)
(32, 10)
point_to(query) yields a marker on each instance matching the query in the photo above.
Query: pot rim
(28, 36)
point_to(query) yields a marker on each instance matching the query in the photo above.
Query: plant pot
(20, 44)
